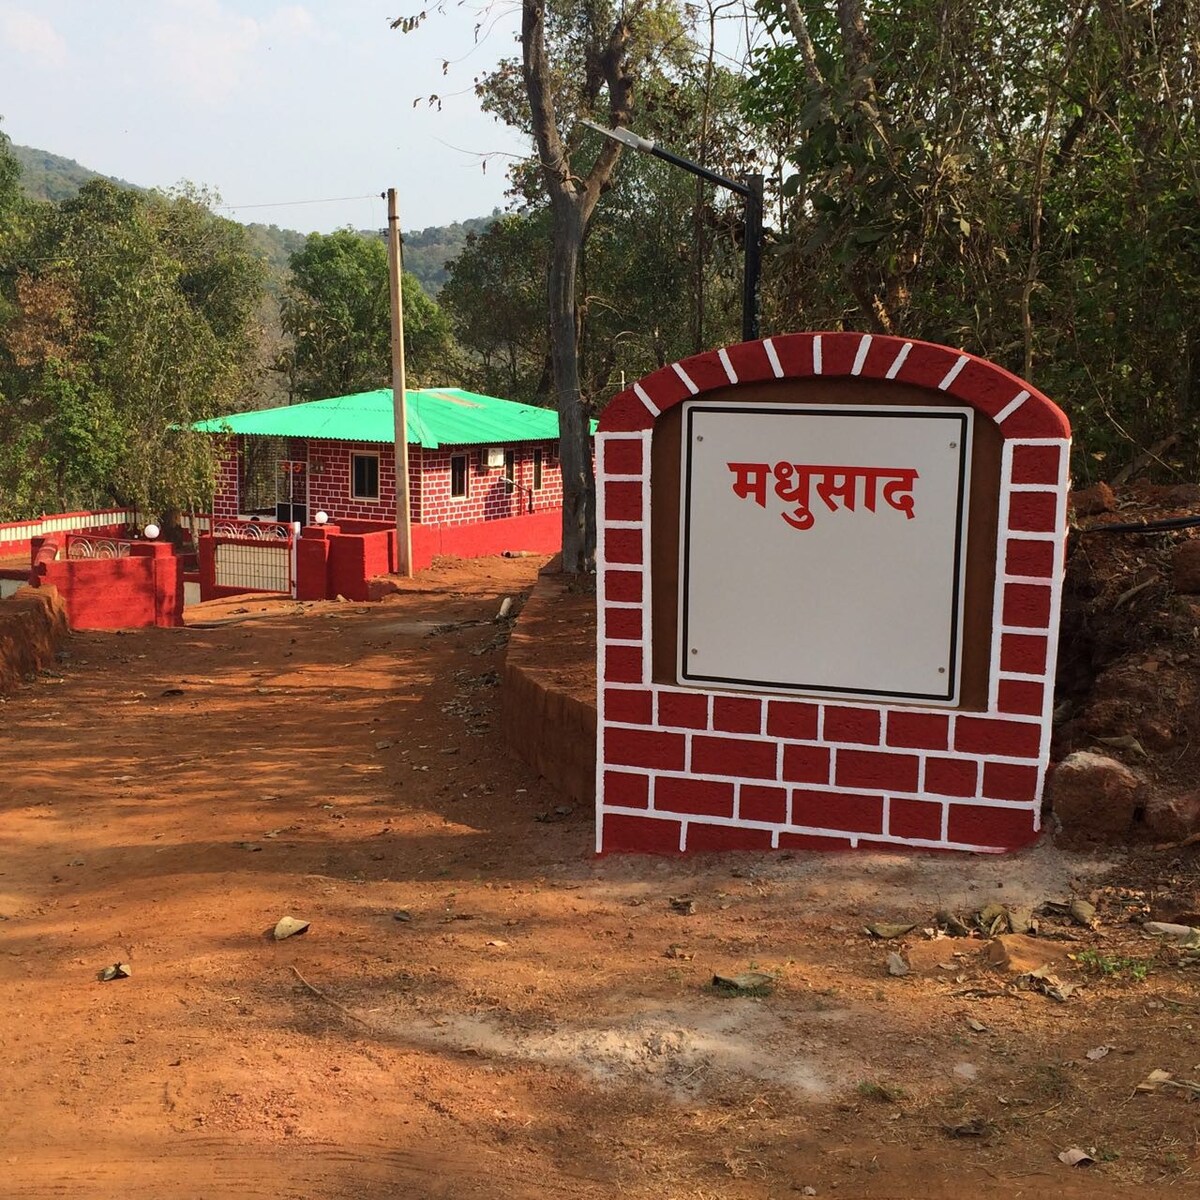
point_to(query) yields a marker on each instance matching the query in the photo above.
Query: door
(291, 491)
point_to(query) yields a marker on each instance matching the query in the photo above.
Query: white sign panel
(823, 548)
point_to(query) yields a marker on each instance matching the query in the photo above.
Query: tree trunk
(572, 201)
(574, 457)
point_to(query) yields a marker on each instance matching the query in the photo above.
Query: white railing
(196, 523)
(22, 531)
(79, 546)
(256, 530)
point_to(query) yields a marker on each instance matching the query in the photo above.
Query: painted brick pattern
(225, 491)
(488, 496)
(689, 769)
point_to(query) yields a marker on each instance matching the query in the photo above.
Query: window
(537, 470)
(364, 476)
(510, 468)
(458, 476)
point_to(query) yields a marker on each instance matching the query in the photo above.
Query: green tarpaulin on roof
(436, 417)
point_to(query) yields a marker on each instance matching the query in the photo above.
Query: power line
(294, 203)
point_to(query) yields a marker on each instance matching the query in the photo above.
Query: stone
(1099, 498)
(1173, 818)
(1187, 566)
(1094, 798)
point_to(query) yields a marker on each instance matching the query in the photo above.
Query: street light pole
(749, 187)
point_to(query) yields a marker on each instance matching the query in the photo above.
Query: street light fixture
(749, 187)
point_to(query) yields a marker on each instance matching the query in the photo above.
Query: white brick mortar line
(644, 397)
(954, 372)
(687, 379)
(898, 362)
(860, 357)
(1011, 407)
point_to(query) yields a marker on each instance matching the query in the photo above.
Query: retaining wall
(548, 702)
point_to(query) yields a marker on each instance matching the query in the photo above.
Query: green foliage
(10, 176)
(275, 247)
(495, 297)
(337, 310)
(132, 316)
(46, 176)
(1113, 966)
(428, 251)
(1018, 179)
(659, 272)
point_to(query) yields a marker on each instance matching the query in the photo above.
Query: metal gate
(255, 556)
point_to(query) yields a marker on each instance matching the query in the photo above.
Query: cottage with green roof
(484, 473)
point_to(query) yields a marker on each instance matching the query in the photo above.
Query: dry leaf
(1076, 1157)
(1154, 1081)
(756, 983)
(886, 930)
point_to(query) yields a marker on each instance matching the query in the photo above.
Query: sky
(273, 105)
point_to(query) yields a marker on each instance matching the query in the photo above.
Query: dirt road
(480, 1008)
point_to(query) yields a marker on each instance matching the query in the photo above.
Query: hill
(426, 252)
(46, 176)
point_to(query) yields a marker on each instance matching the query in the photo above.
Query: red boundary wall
(16, 537)
(341, 559)
(113, 593)
(688, 769)
(539, 532)
(333, 560)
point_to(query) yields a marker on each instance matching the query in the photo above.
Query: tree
(1013, 178)
(579, 58)
(495, 298)
(336, 309)
(10, 177)
(659, 271)
(133, 318)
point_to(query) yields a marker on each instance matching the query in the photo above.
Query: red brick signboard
(829, 570)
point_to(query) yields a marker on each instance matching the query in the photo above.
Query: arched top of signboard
(1019, 409)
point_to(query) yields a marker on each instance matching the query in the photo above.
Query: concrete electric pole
(399, 399)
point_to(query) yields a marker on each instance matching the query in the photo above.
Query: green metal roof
(436, 417)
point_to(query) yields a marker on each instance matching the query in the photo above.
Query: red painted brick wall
(692, 769)
(225, 493)
(119, 593)
(430, 502)
(539, 532)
